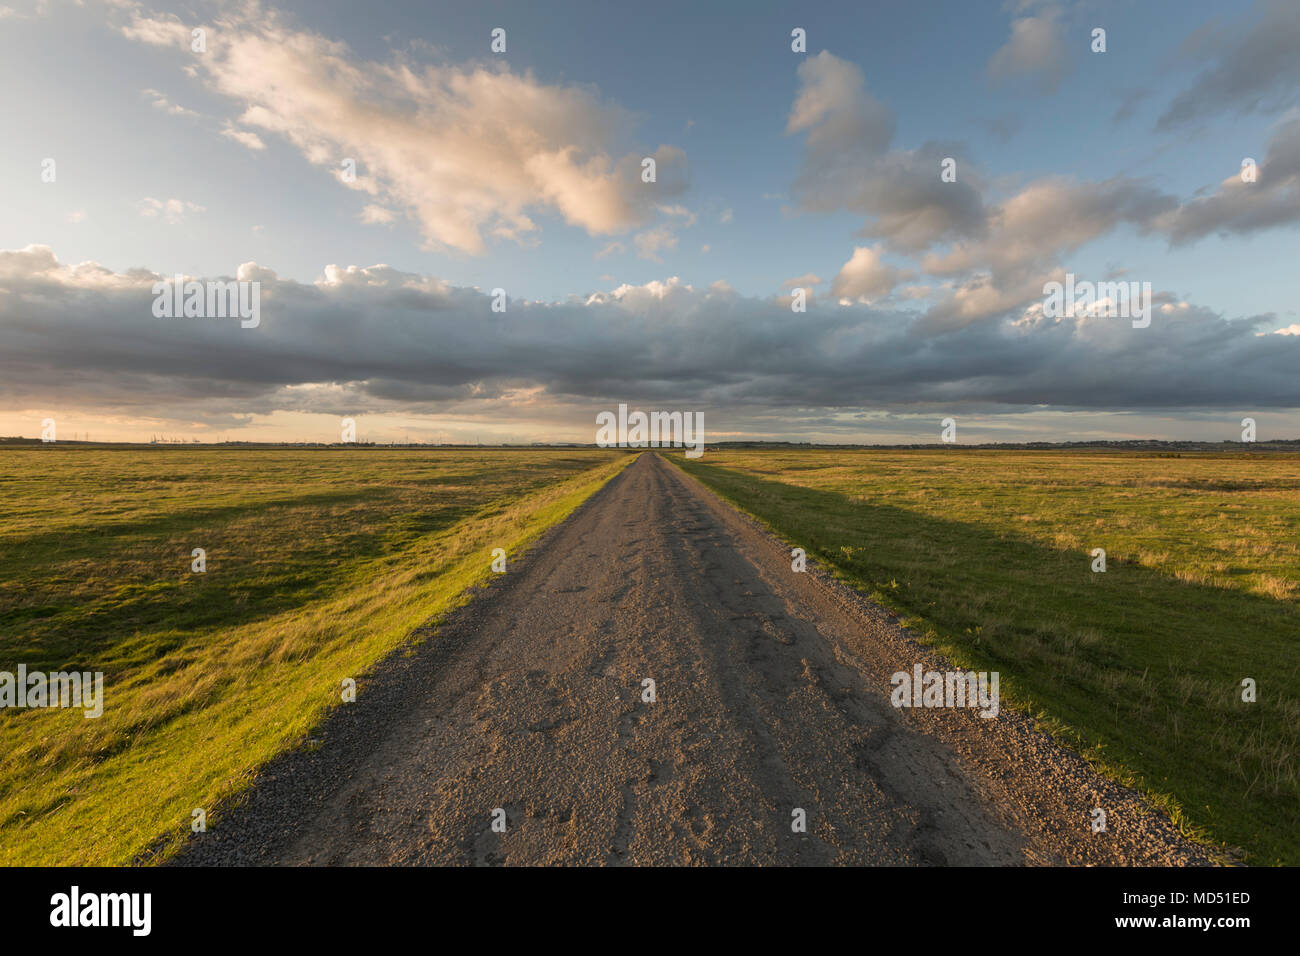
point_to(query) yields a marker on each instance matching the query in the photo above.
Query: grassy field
(319, 562)
(987, 555)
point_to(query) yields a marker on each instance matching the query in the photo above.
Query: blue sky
(155, 172)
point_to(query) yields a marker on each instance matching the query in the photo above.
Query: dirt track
(772, 694)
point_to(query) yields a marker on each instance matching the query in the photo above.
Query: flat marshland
(318, 563)
(987, 555)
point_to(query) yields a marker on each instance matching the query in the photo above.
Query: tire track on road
(772, 695)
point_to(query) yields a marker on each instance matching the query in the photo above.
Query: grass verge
(320, 562)
(987, 555)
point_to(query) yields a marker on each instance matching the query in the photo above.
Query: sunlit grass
(319, 562)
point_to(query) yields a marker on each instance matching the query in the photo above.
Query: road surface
(772, 697)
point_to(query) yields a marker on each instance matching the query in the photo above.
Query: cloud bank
(375, 339)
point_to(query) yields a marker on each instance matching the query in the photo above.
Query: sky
(379, 170)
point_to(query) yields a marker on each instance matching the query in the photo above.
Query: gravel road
(772, 695)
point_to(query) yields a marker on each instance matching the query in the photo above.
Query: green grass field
(987, 555)
(319, 562)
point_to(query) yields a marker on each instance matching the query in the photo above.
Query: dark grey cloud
(1004, 127)
(1129, 102)
(1253, 66)
(372, 340)
(848, 164)
(1241, 208)
(1028, 233)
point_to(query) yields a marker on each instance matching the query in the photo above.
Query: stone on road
(771, 700)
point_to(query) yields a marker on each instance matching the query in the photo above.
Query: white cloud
(465, 150)
(679, 212)
(652, 241)
(377, 215)
(161, 102)
(865, 277)
(171, 211)
(1036, 47)
(166, 30)
(985, 299)
(242, 136)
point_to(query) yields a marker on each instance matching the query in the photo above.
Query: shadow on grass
(57, 547)
(138, 621)
(1143, 670)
